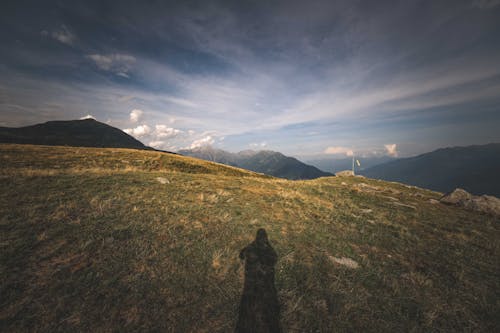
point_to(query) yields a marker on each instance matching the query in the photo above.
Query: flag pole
(353, 164)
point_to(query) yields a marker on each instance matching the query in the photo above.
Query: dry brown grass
(92, 241)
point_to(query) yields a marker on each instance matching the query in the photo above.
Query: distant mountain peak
(79, 132)
(264, 161)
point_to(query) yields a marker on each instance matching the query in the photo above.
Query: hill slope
(473, 168)
(268, 162)
(76, 133)
(92, 240)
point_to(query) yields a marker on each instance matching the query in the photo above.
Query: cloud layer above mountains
(305, 78)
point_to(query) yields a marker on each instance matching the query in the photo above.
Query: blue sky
(307, 78)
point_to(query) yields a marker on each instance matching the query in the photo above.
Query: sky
(310, 79)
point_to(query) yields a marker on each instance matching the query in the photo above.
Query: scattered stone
(485, 203)
(366, 211)
(394, 191)
(344, 173)
(366, 187)
(433, 201)
(390, 198)
(343, 184)
(458, 197)
(344, 262)
(162, 180)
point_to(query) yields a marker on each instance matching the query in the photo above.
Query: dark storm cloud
(245, 69)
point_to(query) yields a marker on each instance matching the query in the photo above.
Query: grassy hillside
(92, 240)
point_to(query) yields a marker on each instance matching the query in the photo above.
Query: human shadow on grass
(259, 307)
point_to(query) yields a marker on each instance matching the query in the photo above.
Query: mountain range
(334, 165)
(265, 161)
(474, 168)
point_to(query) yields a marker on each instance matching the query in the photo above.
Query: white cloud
(158, 136)
(119, 64)
(205, 141)
(162, 131)
(157, 144)
(89, 116)
(236, 103)
(339, 150)
(138, 131)
(135, 115)
(391, 149)
(258, 145)
(63, 35)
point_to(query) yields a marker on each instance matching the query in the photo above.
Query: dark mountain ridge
(474, 168)
(77, 133)
(334, 165)
(268, 162)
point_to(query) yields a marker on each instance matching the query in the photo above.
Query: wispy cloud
(334, 69)
(339, 150)
(62, 35)
(485, 4)
(118, 64)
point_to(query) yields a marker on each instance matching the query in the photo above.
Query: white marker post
(353, 164)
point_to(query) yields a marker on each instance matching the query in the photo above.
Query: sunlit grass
(92, 241)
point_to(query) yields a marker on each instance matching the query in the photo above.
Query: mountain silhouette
(77, 133)
(334, 165)
(268, 162)
(473, 168)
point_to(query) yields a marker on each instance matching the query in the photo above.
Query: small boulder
(347, 262)
(162, 180)
(345, 173)
(458, 197)
(484, 203)
(487, 204)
